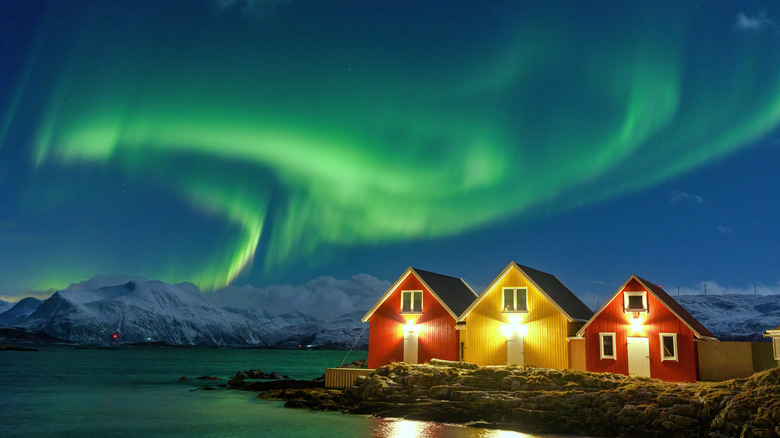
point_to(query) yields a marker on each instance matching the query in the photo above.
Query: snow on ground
(734, 317)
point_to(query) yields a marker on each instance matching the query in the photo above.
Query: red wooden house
(642, 331)
(414, 321)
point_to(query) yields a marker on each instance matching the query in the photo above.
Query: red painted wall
(437, 337)
(658, 320)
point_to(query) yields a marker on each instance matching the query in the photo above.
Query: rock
(184, 378)
(361, 363)
(536, 400)
(208, 378)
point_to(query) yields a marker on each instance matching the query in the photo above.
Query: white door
(410, 347)
(514, 349)
(638, 357)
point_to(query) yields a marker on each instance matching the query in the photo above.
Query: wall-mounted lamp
(411, 328)
(511, 329)
(636, 323)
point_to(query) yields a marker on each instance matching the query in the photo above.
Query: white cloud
(713, 288)
(755, 23)
(100, 280)
(253, 8)
(324, 297)
(680, 196)
(725, 230)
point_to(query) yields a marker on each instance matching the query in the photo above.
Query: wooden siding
(763, 356)
(577, 354)
(343, 378)
(437, 337)
(733, 360)
(544, 335)
(657, 320)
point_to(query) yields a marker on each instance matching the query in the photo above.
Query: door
(514, 349)
(638, 357)
(410, 347)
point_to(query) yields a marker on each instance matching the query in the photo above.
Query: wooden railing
(343, 378)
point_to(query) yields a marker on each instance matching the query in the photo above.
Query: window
(411, 301)
(515, 299)
(669, 346)
(776, 347)
(635, 301)
(607, 342)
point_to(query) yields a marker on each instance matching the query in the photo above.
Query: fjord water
(136, 391)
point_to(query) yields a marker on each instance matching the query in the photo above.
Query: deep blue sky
(273, 142)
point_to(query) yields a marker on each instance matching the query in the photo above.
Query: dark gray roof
(454, 292)
(559, 293)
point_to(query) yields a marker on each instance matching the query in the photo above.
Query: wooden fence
(343, 378)
(731, 360)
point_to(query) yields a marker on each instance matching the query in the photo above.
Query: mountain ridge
(149, 311)
(141, 311)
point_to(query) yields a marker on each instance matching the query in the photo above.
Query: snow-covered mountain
(153, 311)
(343, 332)
(5, 305)
(17, 313)
(144, 311)
(734, 317)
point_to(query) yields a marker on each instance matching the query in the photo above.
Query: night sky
(273, 142)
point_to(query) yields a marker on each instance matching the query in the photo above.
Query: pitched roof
(454, 292)
(549, 286)
(451, 292)
(559, 293)
(679, 311)
(676, 308)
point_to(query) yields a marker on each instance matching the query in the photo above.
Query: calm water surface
(136, 391)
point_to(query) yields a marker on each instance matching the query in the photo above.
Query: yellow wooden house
(524, 317)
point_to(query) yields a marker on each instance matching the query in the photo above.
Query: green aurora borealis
(356, 124)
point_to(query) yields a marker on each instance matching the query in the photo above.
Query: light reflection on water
(399, 428)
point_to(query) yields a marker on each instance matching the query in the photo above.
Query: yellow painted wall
(546, 328)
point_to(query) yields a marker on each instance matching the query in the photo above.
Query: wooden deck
(343, 378)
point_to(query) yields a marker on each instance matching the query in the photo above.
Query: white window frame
(411, 294)
(661, 337)
(627, 294)
(514, 299)
(776, 346)
(601, 345)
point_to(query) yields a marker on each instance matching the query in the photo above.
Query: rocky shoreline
(538, 400)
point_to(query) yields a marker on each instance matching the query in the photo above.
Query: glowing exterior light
(413, 328)
(636, 322)
(517, 328)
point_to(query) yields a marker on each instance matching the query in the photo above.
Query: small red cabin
(414, 321)
(642, 331)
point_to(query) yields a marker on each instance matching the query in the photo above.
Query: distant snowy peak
(5, 305)
(736, 316)
(17, 312)
(142, 310)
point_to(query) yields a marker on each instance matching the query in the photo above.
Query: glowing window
(668, 346)
(411, 301)
(607, 345)
(635, 301)
(515, 299)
